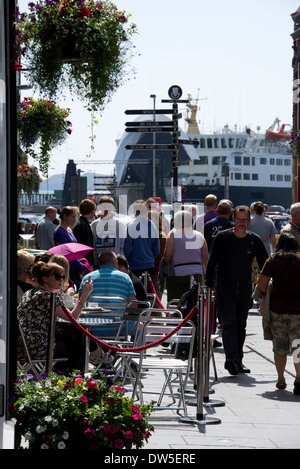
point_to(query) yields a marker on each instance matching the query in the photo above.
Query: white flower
(65, 435)
(55, 423)
(40, 429)
(48, 418)
(61, 445)
(28, 436)
(44, 446)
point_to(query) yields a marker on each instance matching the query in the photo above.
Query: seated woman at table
(34, 315)
(25, 261)
(68, 288)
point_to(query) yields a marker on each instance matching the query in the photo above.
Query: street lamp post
(153, 96)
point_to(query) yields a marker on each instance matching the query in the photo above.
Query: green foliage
(76, 412)
(41, 126)
(83, 45)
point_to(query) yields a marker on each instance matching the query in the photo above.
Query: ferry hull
(240, 195)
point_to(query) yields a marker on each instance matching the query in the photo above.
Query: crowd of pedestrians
(216, 248)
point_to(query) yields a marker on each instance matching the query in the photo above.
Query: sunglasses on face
(59, 277)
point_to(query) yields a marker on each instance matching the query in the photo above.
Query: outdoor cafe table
(88, 324)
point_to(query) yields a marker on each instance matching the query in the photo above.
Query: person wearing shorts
(284, 268)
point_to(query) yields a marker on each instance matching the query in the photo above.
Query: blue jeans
(234, 301)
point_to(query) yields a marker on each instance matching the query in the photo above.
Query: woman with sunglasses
(34, 316)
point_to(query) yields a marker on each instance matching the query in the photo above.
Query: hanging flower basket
(82, 44)
(28, 180)
(77, 413)
(295, 143)
(41, 126)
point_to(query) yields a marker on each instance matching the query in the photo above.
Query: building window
(237, 176)
(287, 162)
(263, 160)
(246, 160)
(272, 161)
(246, 177)
(287, 178)
(238, 160)
(279, 177)
(272, 177)
(279, 162)
(254, 177)
(202, 160)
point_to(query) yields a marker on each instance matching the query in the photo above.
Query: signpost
(175, 93)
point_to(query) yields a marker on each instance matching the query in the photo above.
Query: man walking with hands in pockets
(230, 261)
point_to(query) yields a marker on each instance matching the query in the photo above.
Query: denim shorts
(285, 330)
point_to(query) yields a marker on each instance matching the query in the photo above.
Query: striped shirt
(108, 281)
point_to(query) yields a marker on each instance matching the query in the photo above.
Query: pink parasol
(71, 251)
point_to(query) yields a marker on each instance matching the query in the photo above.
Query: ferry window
(201, 174)
(237, 143)
(246, 176)
(238, 176)
(202, 160)
(279, 177)
(238, 160)
(216, 142)
(244, 142)
(263, 160)
(272, 177)
(209, 143)
(254, 177)
(216, 160)
(287, 162)
(287, 178)
(202, 142)
(272, 160)
(231, 142)
(279, 161)
(253, 160)
(223, 143)
(246, 160)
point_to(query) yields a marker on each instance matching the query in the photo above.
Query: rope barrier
(132, 349)
(154, 291)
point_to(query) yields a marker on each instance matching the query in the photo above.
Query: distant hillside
(56, 182)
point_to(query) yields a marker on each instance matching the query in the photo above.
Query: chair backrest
(157, 328)
(110, 306)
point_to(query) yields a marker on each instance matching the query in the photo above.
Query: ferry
(242, 165)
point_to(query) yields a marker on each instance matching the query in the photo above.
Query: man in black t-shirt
(230, 261)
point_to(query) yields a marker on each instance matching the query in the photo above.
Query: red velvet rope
(157, 299)
(132, 349)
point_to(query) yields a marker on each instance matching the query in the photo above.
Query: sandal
(103, 357)
(297, 386)
(281, 384)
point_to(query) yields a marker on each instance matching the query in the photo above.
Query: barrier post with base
(206, 400)
(200, 419)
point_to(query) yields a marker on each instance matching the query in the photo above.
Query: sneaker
(297, 386)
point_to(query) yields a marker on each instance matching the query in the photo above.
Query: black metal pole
(51, 334)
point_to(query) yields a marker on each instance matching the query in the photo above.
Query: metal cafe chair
(27, 364)
(156, 328)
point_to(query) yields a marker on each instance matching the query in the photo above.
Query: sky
(234, 55)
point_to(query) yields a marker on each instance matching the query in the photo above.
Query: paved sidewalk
(256, 415)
